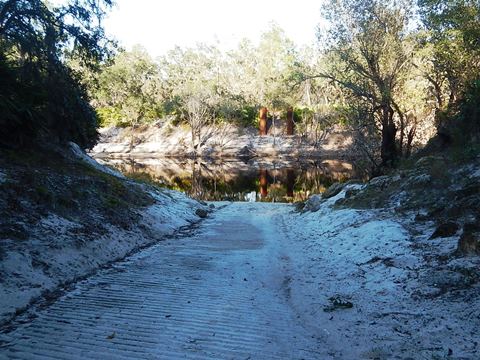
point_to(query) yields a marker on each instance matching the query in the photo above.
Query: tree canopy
(40, 96)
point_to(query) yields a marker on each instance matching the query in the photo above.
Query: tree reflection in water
(269, 181)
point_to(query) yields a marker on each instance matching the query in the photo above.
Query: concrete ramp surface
(219, 292)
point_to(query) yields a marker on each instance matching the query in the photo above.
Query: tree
(132, 89)
(318, 98)
(260, 74)
(452, 37)
(129, 90)
(42, 97)
(192, 71)
(197, 113)
(192, 80)
(369, 49)
(275, 57)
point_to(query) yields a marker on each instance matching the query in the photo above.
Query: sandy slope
(44, 245)
(411, 300)
(39, 264)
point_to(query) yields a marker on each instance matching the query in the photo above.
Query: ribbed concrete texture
(220, 292)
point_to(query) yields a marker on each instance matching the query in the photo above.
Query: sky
(160, 25)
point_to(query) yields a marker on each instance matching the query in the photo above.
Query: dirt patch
(403, 250)
(39, 183)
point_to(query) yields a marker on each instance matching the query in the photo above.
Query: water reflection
(269, 181)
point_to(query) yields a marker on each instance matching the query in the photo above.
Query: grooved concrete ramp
(220, 292)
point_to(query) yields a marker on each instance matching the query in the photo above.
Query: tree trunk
(263, 121)
(290, 121)
(403, 128)
(290, 182)
(193, 138)
(273, 128)
(410, 136)
(389, 130)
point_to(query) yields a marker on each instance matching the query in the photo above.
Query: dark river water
(235, 180)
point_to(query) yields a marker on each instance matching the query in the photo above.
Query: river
(266, 180)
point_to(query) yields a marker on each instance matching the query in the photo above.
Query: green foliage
(275, 57)
(453, 33)
(249, 115)
(394, 77)
(42, 98)
(370, 58)
(128, 91)
(378, 73)
(243, 115)
(109, 116)
(443, 16)
(469, 113)
(133, 89)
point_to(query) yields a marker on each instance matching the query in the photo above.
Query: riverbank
(63, 216)
(387, 281)
(220, 141)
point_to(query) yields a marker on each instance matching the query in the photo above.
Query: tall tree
(369, 53)
(129, 90)
(453, 38)
(276, 55)
(42, 96)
